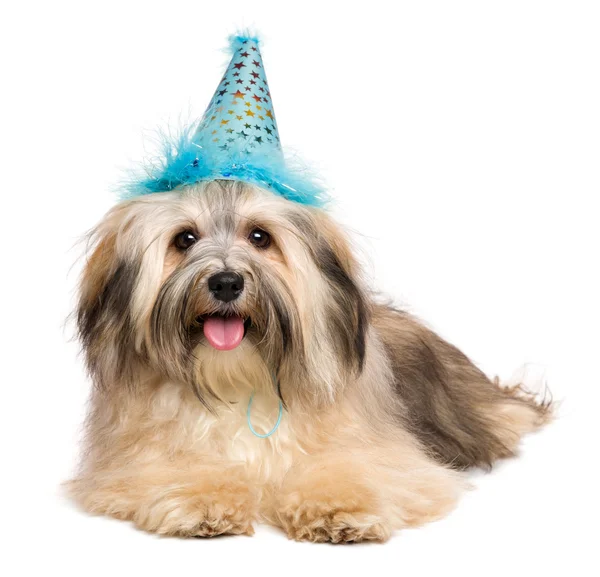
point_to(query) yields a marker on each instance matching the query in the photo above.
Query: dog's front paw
(188, 508)
(326, 522)
(202, 511)
(332, 516)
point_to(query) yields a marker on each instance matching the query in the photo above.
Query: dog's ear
(103, 311)
(348, 306)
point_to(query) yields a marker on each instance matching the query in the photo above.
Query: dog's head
(217, 281)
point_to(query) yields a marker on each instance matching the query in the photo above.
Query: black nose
(226, 286)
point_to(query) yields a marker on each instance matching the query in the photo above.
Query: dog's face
(220, 279)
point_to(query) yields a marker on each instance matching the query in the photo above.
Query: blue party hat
(240, 115)
(236, 139)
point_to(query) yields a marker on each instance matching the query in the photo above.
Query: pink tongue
(224, 333)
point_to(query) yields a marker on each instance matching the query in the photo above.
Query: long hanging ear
(103, 312)
(348, 307)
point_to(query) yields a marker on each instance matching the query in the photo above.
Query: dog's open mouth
(224, 333)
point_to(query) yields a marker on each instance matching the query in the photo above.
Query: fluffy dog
(194, 300)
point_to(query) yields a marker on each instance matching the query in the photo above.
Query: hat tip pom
(240, 37)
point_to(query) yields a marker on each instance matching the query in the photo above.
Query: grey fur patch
(447, 397)
(105, 328)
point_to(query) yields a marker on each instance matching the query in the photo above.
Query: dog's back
(457, 412)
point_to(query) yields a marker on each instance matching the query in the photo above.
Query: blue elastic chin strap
(249, 419)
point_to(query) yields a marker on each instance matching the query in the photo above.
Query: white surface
(461, 139)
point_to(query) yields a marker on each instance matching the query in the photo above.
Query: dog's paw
(332, 522)
(330, 502)
(214, 525)
(221, 510)
(187, 507)
(341, 512)
(204, 510)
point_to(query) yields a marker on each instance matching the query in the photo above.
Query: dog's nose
(226, 286)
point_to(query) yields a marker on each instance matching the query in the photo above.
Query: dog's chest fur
(225, 433)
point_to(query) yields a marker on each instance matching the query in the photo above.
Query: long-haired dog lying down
(192, 301)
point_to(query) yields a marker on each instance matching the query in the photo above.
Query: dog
(195, 301)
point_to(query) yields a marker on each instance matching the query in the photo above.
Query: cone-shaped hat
(240, 115)
(236, 139)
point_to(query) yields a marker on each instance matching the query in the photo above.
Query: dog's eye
(185, 239)
(259, 238)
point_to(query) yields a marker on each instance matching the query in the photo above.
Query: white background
(461, 141)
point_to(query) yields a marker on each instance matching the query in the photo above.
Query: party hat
(236, 139)
(240, 115)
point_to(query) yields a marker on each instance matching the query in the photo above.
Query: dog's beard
(269, 318)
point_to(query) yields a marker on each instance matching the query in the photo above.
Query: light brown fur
(377, 418)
